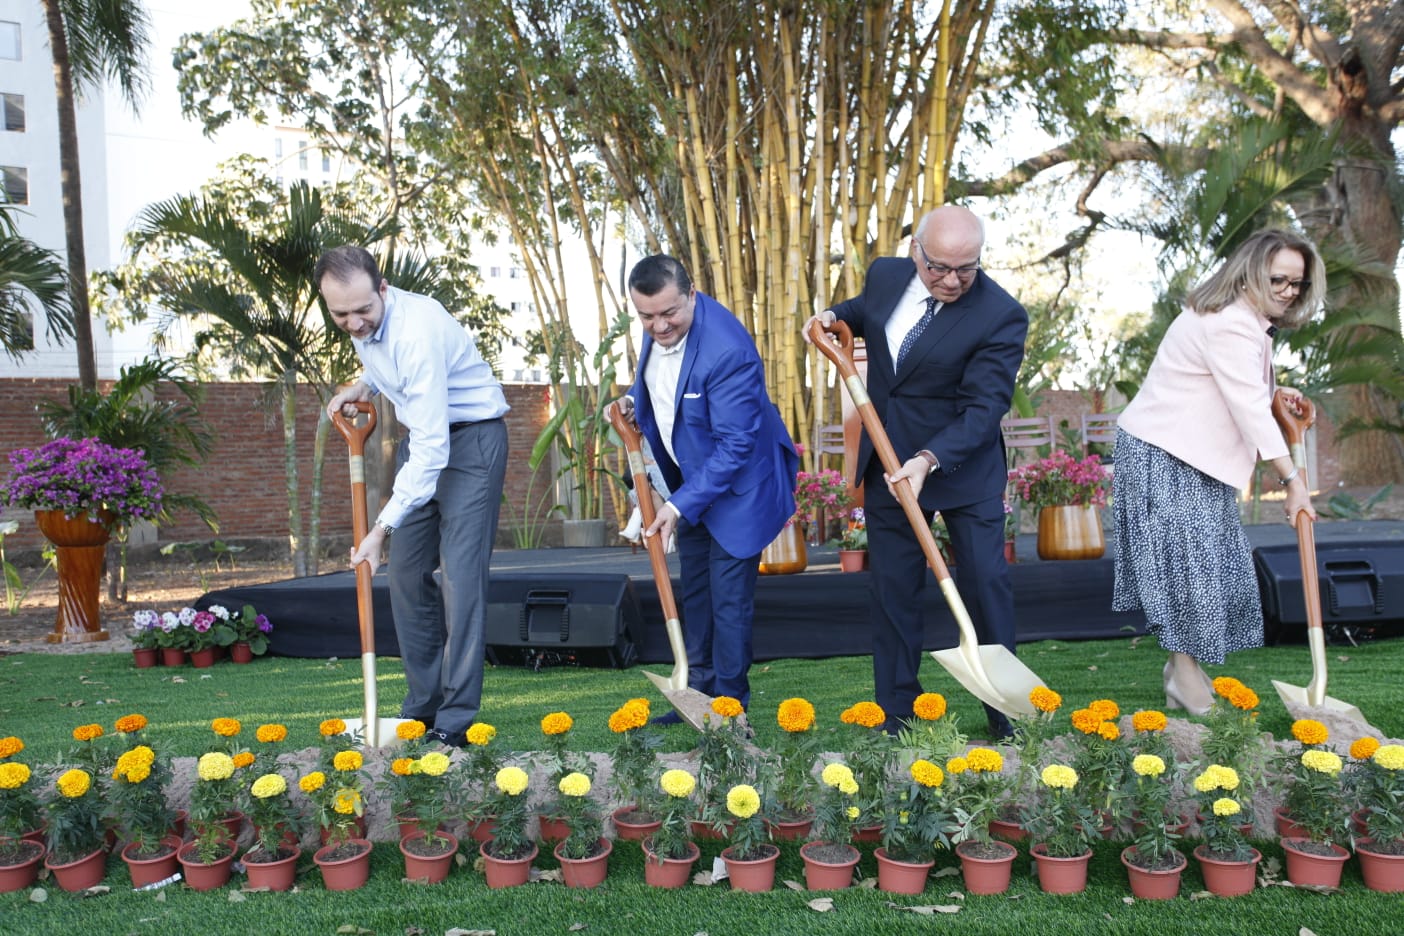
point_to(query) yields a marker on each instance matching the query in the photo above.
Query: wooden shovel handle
(1293, 423)
(360, 520)
(633, 445)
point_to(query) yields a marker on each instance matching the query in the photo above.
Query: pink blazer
(1206, 399)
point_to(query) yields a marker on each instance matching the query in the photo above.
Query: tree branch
(1104, 153)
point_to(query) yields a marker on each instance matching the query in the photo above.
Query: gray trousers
(441, 626)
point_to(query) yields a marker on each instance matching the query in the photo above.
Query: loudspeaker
(1361, 584)
(572, 619)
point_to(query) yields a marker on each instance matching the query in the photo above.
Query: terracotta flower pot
(703, 831)
(1069, 532)
(901, 877)
(25, 868)
(178, 824)
(984, 871)
(1382, 871)
(358, 831)
(346, 866)
(1150, 883)
(872, 833)
(432, 869)
(172, 656)
(789, 831)
(552, 830)
(1307, 868)
(630, 831)
(1228, 878)
(233, 823)
(669, 873)
(482, 830)
(756, 875)
(828, 874)
(1061, 875)
(1286, 826)
(203, 658)
(201, 876)
(240, 652)
(145, 657)
(585, 872)
(507, 872)
(276, 875)
(81, 874)
(852, 560)
(158, 867)
(1007, 830)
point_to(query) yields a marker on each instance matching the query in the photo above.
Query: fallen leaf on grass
(554, 874)
(38, 895)
(867, 883)
(1129, 901)
(463, 932)
(1305, 932)
(177, 679)
(206, 676)
(927, 909)
(794, 885)
(97, 890)
(821, 904)
(1092, 668)
(351, 929)
(76, 703)
(1201, 895)
(413, 931)
(160, 896)
(703, 878)
(577, 927)
(236, 897)
(946, 872)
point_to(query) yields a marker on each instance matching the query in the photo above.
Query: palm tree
(91, 40)
(28, 272)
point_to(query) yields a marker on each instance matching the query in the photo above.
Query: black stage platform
(820, 612)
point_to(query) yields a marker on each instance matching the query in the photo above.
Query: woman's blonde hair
(1244, 275)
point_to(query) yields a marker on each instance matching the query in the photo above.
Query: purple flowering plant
(248, 627)
(81, 476)
(1062, 481)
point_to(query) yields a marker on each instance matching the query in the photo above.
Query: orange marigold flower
(1225, 685)
(332, 726)
(87, 732)
(557, 723)
(1045, 699)
(244, 759)
(410, 730)
(985, 760)
(1106, 709)
(1086, 721)
(271, 734)
(795, 715)
(10, 746)
(1309, 731)
(1109, 731)
(727, 707)
(1243, 698)
(927, 773)
(400, 766)
(226, 727)
(867, 715)
(929, 706)
(627, 718)
(347, 760)
(129, 724)
(1364, 748)
(1148, 720)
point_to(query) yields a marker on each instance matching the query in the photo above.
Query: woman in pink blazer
(1188, 443)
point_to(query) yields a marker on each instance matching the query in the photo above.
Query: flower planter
(201, 876)
(552, 830)
(872, 833)
(756, 875)
(358, 831)
(786, 554)
(345, 866)
(80, 874)
(1382, 871)
(585, 872)
(80, 547)
(482, 830)
(420, 864)
(240, 652)
(172, 656)
(507, 872)
(822, 869)
(277, 874)
(24, 869)
(703, 831)
(1009, 554)
(852, 560)
(1179, 826)
(1152, 883)
(1061, 875)
(1286, 826)
(145, 657)
(1070, 533)
(203, 658)
(37, 834)
(901, 877)
(668, 873)
(1311, 865)
(1007, 830)
(233, 823)
(630, 831)
(177, 827)
(986, 868)
(789, 831)
(157, 867)
(1358, 821)
(1228, 878)
(1244, 828)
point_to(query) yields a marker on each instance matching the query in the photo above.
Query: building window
(23, 335)
(516, 307)
(9, 40)
(514, 273)
(326, 161)
(13, 106)
(302, 156)
(495, 272)
(277, 147)
(16, 179)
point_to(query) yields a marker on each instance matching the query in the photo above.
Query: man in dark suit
(699, 398)
(944, 344)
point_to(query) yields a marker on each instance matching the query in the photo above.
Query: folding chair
(1098, 427)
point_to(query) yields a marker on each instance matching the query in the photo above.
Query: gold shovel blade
(384, 733)
(1001, 681)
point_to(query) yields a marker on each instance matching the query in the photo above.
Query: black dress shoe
(457, 740)
(667, 718)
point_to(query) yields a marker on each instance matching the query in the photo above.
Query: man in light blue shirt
(444, 505)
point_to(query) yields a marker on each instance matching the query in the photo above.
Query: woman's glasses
(1282, 283)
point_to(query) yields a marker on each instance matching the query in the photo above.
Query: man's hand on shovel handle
(370, 549)
(915, 470)
(825, 319)
(345, 400)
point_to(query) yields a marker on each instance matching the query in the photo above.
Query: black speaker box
(1361, 584)
(563, 619)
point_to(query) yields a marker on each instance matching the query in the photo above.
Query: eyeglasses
(941, 271)
(1280, 283)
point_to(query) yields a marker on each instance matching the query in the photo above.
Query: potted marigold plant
(669, 851)
(272, 861)
(19, 816)
(632, 779)
(1153, 863)
(482, 760)
(507, 856)
(429, 849)
(793, 768)
(916, 819)
(829, 857)
(584, 852)
(928, 733)
(137, 801)
(215, 795)
(338, 805)
(1228, 862)
(872, 754)
(1101, 759)
(1066, 492)
(558, 760)
(1315, 803)
(1060, 821)
(1377, 781)
(75, 835)
(724, 760)
(1234, 738)
(750, 859)
(977, 791)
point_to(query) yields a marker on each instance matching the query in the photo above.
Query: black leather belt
(454, 427)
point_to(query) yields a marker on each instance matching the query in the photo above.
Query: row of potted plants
(169, 638)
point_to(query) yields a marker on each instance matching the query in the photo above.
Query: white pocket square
(692, 396)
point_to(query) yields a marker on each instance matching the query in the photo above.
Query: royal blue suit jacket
(735, 468)
(955, 384)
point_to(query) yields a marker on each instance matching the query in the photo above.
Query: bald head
(946, 250)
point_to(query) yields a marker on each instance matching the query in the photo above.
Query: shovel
(1294, 428)
(370, 728)
(990, 672)
(691, 704)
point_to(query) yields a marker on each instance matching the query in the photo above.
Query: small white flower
(187, 616)
(220, 611)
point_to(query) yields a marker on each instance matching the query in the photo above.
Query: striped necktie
(916, 331)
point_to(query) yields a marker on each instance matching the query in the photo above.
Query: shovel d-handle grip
(355, 435)
(633, 447)
(1293, 422)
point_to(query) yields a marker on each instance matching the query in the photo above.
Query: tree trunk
(314, 496)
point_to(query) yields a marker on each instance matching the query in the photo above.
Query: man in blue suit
(944, 344)
(699, 398)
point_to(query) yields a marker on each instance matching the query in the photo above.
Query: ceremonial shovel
(370, 727)
(990, 672)
(691, 704)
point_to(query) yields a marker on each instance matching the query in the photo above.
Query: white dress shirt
(661, 377)
(909, 310)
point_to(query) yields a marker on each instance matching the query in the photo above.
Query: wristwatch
(385, 528)
(931, 460)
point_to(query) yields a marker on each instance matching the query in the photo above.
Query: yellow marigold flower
(795, 715)
(867, 715)
(215, 765)
(138, 757)
(481, 733)
(332, 726)
(854, 812)
(1086, 721)
(557, 723)
(1309, 731)
(1390, 756)
(1109, 730)
(511, 780)
(848, 786)
(138, 772)
(312, 782)
(268, 785)
(727, 707)
(835, 773)
(1327, 762)
(1148, 720)
(87, 732)
(1206, 781)
(347, 802)
(1045, 699)
(13, 775)
(985, 760)
(434, 763)
(927, 773)
(1148, 765)
(271, 734)
(1228, 778)
(929, 706)
(1059, 777)
(10, 746)
(1225, 686)
(1243, 698)
(1364, 748)
(1226, 806)
(957, 765)
(574, 784)
(226, 727)
(348, 760)
(410, 730)
(243, 759)
(74, 783)
(627, 718)
(1106, 709)
(742, 800)
(130, 724)
(678, 784)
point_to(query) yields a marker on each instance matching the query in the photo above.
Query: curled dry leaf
(821, 904)
(794, 885)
